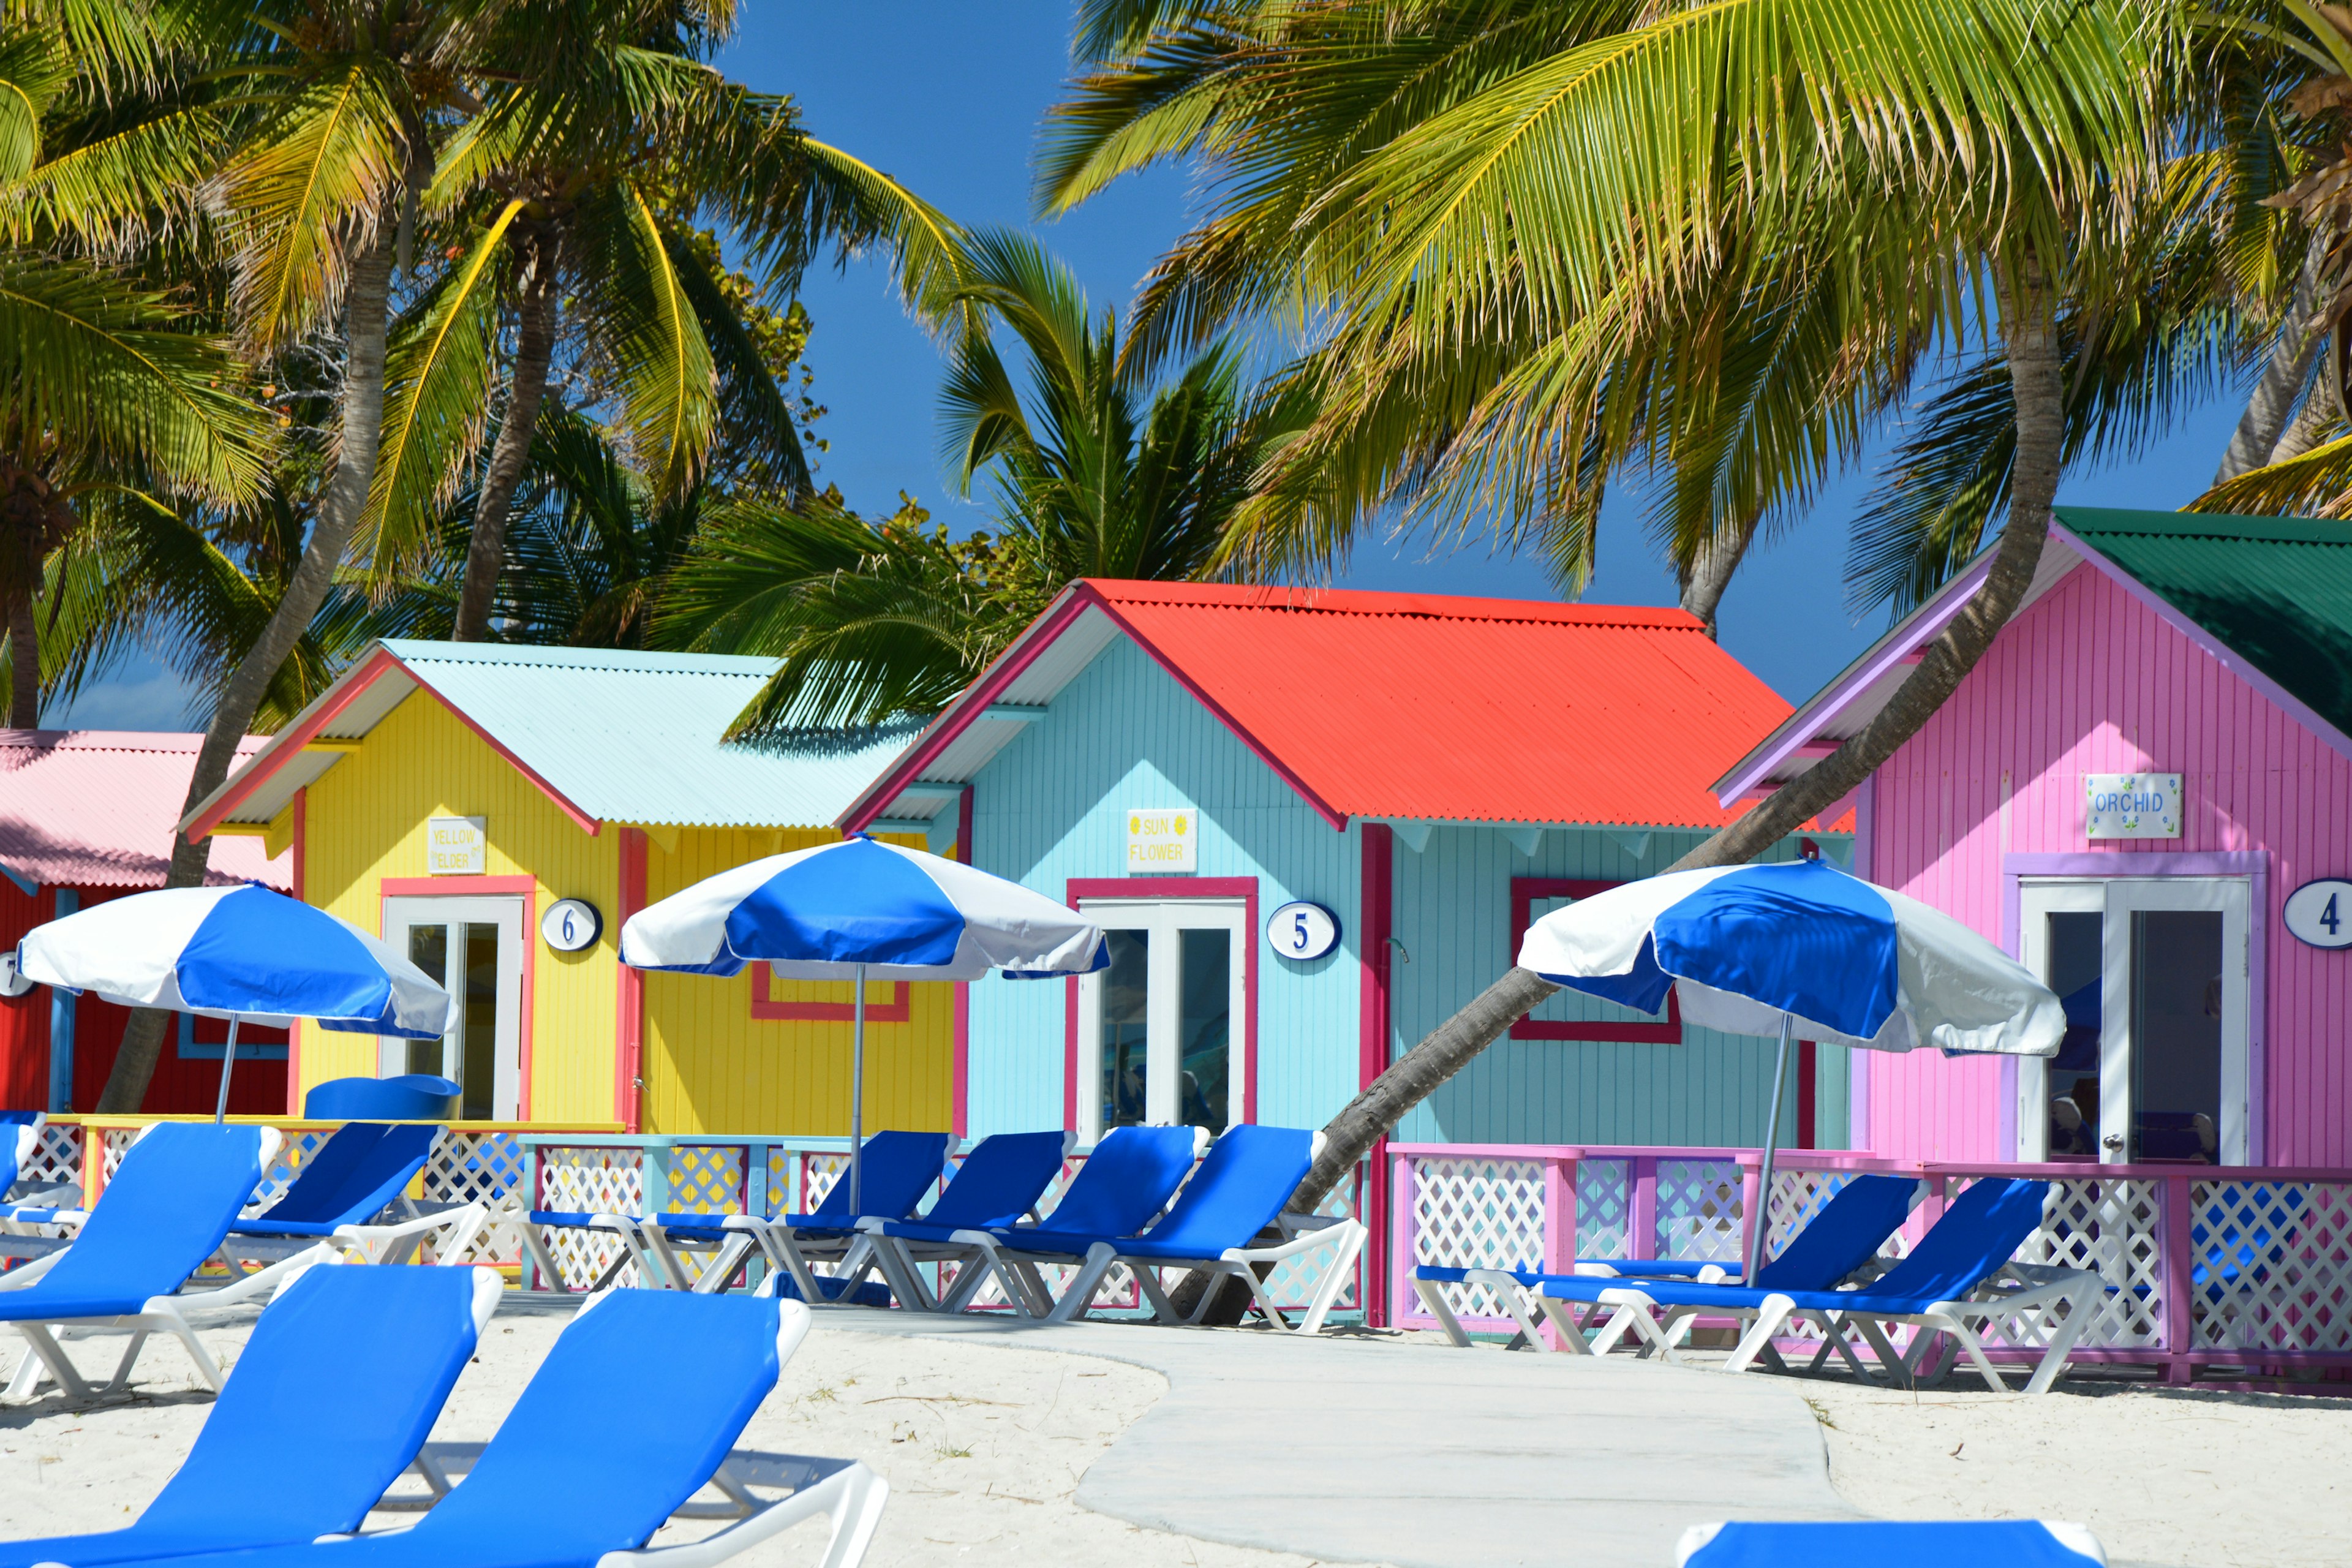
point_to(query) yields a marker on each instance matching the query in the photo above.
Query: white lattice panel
(1698, 1210)
(1604, 1208)
(589, 1180)
(491, 1168)
(1477, 1212)
(706, 1178)
(2110, 1227)
(58, 1157)
(2272, 1266)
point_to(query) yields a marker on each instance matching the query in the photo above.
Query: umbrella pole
(858, 1099)
(1763, 1219)
(228, 1066)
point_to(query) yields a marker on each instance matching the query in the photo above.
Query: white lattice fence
(491, 1168)
(1604, 1208)
(58, 1157)
(2272, 1266)
(1477, 1212)
(2114, 1228)
(589, 1180)
(1698, 1213)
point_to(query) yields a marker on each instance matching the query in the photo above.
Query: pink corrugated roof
(95, 808)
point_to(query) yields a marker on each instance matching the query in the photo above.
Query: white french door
(2154, 974)
(1161, 1030)
(473, 948)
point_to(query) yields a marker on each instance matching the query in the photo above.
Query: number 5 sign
(2320, 913)
(1302, 930)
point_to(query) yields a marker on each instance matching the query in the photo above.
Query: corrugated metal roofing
(623, 736)
(96, 808)
(2276, 590)
(1412, 706)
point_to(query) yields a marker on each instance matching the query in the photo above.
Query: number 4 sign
(2320, 913)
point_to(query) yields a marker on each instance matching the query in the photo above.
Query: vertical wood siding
(710, 1067)
(2091, 680)
(366, 821)
(1052, 806)
(1453, 913)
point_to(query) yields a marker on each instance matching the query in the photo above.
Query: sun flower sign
(2131, 805)
(1163, 840)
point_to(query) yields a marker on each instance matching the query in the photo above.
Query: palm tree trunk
(2037, 388)
(2311, 425)
(340, 507)
(1709, 570)
(24, 662)
(2264, 419)
(486, 552)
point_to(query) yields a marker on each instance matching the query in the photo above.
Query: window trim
(1525, 891)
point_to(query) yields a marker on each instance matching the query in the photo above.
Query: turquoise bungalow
(1315, 823)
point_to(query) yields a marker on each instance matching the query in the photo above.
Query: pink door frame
(1171, 888)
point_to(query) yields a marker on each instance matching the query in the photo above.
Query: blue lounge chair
(1960, 1274)
(385, 1343)
(538, 1496)
(166, 1210)
(999, 1183)
(351, 1194)
(1228, 1219)
(1842, 1237)
(2011, 1542)
(900, 1168)
(1123, 1186)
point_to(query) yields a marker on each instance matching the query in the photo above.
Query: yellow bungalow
(497, 813)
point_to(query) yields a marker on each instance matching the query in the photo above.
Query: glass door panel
(1125, 1035)
(473, 947)
(2154, 1065)
(1157, 1028)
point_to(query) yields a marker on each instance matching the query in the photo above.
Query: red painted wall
(2090, 679)
(179, 1086)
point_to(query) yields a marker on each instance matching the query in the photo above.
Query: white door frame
(1163, 917)
(403, 911)
(2117, 899)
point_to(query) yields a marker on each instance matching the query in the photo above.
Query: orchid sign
(2131, 805)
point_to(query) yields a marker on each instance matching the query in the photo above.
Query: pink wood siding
(2092, 680)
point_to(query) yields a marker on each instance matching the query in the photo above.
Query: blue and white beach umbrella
(243, 953)
(1797, 950)
(861, 910)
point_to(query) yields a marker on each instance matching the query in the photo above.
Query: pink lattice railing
(2207, 1269)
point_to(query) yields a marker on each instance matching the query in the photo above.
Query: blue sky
(948, 97)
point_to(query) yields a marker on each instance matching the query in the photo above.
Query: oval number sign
(1302, 930)
(2321, 913)
(571, 924)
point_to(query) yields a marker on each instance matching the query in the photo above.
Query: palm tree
(1963, 168)
(111, 396)
(574, 195)
(1101, 470)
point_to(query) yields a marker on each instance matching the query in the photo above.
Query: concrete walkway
(1425, 1457)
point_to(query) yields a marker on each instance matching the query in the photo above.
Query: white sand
(983, 1445)
(2189, 1476)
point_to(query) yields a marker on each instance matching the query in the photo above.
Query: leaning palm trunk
(1711, 566)
(338, 514)
(2030, 334)
(2255, 442)
(486, 553)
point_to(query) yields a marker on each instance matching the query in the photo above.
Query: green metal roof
(2276, 590)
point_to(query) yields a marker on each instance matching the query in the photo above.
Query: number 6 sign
(1302, 930)
(571, 924)
(2320, 913)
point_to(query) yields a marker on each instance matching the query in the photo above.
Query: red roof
(1422, 706)
(97, 808)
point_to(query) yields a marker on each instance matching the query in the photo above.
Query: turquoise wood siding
(1454, 917)
(1052, 806)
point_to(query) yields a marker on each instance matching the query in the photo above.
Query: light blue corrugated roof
(634, 737)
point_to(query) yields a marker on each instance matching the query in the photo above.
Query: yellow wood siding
(366, 821)
(710, 1067)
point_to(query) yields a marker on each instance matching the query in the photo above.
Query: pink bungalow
(2145, 793)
